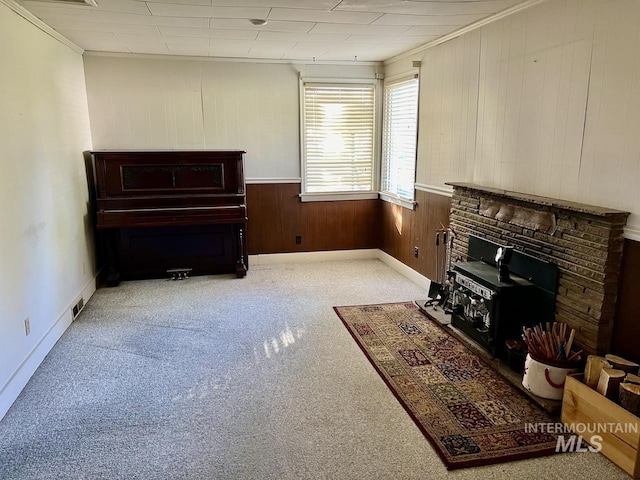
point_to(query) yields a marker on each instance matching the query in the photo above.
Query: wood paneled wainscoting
(404, 229)
(277, 217)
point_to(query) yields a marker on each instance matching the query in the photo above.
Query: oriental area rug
(469, 413)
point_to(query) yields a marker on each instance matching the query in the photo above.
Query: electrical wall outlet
(27, 326)
(298, 239)
(416, 252)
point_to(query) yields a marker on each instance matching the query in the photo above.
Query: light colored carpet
(224, 378)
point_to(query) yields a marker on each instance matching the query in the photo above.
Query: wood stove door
(473, 315)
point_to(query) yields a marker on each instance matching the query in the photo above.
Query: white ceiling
(327, 30)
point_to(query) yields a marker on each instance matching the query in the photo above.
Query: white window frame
(393, 196)
(340, 195)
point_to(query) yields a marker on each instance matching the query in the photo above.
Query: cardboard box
(618, 429)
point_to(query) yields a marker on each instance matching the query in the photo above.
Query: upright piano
(164, 210)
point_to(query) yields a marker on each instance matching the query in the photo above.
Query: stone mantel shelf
(608, 213)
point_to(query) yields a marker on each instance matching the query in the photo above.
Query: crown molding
(31, 18)
(468, 28)
(93, 53)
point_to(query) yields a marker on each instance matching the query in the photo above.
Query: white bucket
(544, 380)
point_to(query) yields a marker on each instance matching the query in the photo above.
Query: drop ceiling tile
(224, 43)
(279, 46)
(312, 4)
(138, 39)
(359, 29)
(125, 18)
(302, 37)
(183, 2)
(208, 32)
(189, 50)
(96, 46)
(173, 10)
(431, 30)
(345, 55)
(149, 48)
(411, 20)
(237, 48)
(76, 14)
(271, 26)
(123, 6)
(106, 27)
(321, 16)
(75, 34)
(313, 47)
(427, 7)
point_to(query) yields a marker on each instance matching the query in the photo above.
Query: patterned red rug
(469, 413)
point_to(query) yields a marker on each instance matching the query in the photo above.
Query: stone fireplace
(584, 241)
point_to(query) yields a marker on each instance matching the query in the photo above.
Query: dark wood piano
(164, 210)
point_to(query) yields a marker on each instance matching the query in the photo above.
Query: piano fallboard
(168, 216)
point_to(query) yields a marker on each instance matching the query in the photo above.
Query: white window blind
(399, 138)
(338, 137)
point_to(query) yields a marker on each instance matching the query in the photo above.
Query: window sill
(337, 196)
(410, 204)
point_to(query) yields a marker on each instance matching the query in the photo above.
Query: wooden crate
(583, 405)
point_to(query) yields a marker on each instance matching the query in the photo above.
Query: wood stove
(491, 307)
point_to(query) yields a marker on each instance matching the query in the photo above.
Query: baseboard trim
(310, 257)
(337, 255)
(405, 270)
(16, 383)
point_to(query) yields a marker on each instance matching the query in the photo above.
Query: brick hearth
(586, 245)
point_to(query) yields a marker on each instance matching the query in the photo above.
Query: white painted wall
(556, 93)
(46, 247)
(168, 103)
(447, 111)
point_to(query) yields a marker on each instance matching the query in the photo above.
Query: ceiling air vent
(87, 3)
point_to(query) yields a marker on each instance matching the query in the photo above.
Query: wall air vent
(87, 3)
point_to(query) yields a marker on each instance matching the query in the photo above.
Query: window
(338, 138)
(399, 138)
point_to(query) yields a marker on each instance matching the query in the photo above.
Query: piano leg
(241, 267)
(111, 247)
